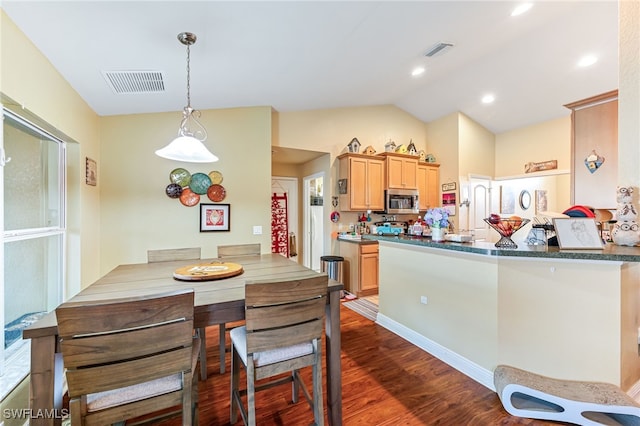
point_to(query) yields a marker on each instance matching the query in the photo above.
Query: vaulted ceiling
(307, 55)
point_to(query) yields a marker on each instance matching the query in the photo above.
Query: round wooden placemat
(207, 271)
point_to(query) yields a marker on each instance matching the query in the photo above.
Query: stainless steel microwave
(401, 201)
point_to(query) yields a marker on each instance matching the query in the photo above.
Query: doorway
(479, 205)
(288, 186)
(313, 196)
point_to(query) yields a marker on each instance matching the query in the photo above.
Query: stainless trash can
(332, 265)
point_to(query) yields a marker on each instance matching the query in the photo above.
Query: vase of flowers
(438, 220)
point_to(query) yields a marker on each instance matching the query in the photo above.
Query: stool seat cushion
(239, 338)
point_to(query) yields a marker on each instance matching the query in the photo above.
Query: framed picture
(507, 200)
(541, 201)
(342, 186)
(215, 217)
(449, 202)
(577, 233)
(91, 173)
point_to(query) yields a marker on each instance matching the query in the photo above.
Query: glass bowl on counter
(506, 228)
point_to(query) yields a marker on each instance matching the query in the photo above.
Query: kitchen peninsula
(564, 314)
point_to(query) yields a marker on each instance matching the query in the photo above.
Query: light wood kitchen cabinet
(401, 171)
(360, 182)
(428, 185)
(594, 133)
(361, 262)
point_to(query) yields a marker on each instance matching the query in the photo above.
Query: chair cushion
(137, 392)
(239, 340)
(140, 391)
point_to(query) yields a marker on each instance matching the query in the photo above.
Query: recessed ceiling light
(521, 8)
(488, 98)
(417, 71)
(587, 60)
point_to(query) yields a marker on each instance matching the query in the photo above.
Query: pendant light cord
(188, 76)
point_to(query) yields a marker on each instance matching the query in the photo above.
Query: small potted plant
(438, 220)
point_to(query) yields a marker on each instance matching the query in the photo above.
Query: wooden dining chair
(126, 358)
(232, 250)
(283, 333)
(239, 250)
(189, 253)
(166, 255)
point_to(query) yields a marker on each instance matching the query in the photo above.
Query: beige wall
(476, 149)
(549, 140)
(28, 78)
(136, 213)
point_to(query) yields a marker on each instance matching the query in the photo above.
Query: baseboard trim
(460, 363)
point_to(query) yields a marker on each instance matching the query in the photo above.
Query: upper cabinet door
(361, 183)
(375, 181)
(428, 186)
(401, 171)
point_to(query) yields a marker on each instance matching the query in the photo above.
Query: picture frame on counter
(215, 217)
(450, 186)
(577, 233)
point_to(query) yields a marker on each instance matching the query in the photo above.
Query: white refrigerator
(315, 246)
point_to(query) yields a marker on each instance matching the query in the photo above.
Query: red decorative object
(279, 225)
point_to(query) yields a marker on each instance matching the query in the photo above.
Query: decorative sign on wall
(451, 186)
(538, 167)
(279, 225)
(593, 161)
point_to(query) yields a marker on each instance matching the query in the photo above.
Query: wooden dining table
(216, 302)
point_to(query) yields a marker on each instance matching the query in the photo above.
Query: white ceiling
(302, 55)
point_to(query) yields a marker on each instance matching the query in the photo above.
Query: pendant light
(188, 146)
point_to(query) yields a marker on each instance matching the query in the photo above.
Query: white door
(313, 220)
(289, 186)
(479, 206)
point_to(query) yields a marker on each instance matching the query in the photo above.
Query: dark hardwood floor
(385, 381)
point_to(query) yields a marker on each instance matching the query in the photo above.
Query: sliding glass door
(33, 238)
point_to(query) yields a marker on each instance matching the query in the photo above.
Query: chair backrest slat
(287, 314)
(113, 376)
(274, 292)
(111, 344)
(264, 340)
(113, 347)
(281, 313)
(166, 255)
(239, 250)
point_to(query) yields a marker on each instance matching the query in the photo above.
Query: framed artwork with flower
(215, 217)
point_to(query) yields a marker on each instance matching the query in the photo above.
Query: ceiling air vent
(438, 48)
(134, 82)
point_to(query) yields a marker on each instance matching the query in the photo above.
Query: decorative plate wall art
(189, 187)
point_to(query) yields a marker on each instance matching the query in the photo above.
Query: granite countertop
(610, 252)
(355, 239)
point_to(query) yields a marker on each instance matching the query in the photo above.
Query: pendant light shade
(188, 149)
(189, 145)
